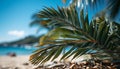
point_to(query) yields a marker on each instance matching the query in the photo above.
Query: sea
(18, 50)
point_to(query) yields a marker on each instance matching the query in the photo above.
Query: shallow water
(19, 50)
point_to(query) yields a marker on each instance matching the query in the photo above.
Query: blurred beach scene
(15, 57)
(59, 34)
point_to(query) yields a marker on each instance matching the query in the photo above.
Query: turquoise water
(19, 50)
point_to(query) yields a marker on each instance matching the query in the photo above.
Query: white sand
(7, 62)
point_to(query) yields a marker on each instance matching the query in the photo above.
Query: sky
(16, 15)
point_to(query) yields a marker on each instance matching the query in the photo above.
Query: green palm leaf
(69, 29)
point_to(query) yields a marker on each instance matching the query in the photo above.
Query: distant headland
(29, 40)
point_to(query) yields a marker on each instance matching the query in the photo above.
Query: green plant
(71, 28)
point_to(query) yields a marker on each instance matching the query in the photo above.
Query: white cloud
(18, 33)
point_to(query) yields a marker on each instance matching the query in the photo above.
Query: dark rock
(12, 54)
(16, 68)
(25, 63)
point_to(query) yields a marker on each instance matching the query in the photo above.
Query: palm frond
(82, 37)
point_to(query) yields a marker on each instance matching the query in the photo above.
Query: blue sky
(15, 17)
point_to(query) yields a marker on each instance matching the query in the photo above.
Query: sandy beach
(22, 62)
(18, 62)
